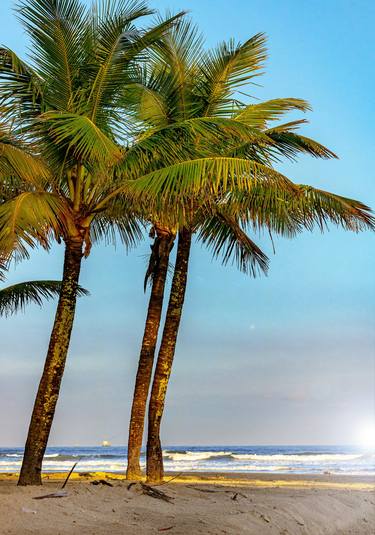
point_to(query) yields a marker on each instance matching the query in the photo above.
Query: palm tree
(185, 86)
(69, 102)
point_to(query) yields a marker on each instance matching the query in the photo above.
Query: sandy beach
(199, 504)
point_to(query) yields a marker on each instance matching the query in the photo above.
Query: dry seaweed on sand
(142, 488)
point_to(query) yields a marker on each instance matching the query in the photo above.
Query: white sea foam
(195, 455)
(310, 458)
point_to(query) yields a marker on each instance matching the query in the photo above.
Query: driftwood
(236, 494)
(101, 482)
(68, 476)
(57, 494)
(203, 490)
(168, 480)
(149, 491)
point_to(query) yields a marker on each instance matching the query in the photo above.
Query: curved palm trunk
(163, 369)
(164, 246)
(49, 386)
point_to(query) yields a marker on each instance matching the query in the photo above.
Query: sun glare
(366, 437)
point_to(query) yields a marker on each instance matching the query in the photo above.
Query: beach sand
(201, 504)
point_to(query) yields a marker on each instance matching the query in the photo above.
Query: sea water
(261, 459)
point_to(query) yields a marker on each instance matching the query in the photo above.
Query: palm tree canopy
(67, 103)
(196, 144)
(192, 93)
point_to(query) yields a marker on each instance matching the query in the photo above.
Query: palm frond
(118, 220)
(80, 137)
(17, 160)
(224, 236)
(225, 69)
(322, 207)
(21, 88)
(16, 297)
(55, 28)
(3, 269)
(288, 213)
(195, 177)
(258, 115)
(287, 143)
(31, 219)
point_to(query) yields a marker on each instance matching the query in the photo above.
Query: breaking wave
(261, 459)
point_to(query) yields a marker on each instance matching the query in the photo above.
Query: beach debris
(57, 494)
(27, 510)
(70, 473)
(166, 529)
(169, 480)
(236, 494)
(204, 490)
(142, 488)
(265, 518)
(101, 482)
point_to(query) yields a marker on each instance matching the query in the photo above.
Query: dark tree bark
(154, 469)
(160, 251)
(49, 386)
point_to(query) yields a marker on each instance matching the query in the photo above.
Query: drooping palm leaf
(31, 218)
(224, 237)
(15, 298)
(16, 159)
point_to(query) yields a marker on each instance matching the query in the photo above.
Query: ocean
(261, 459)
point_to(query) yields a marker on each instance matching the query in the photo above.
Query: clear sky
(287, 359)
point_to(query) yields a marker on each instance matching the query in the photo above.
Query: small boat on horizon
(106, 444)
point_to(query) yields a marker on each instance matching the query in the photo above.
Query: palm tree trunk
(164, 245)
(49, 386)
(154, 467)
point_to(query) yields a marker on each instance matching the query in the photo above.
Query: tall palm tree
(183, 86)
(69, 102)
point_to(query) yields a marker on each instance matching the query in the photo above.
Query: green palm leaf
(224, 236)
(17, 161)
(258, 115)
(16, 297)
(55, 28)
(203, 175)
(81, 137)
(29, 219)
(226, 68)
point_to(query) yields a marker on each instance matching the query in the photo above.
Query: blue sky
(287, 359)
